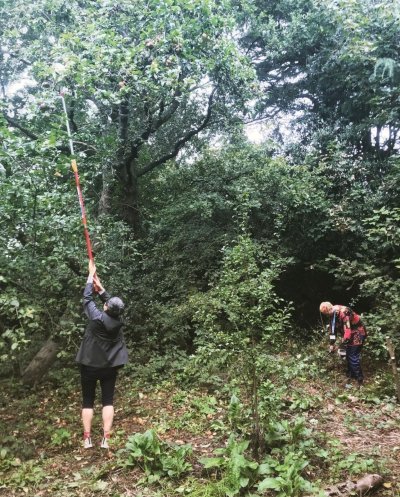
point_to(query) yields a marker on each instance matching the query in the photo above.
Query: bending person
(346, 324)
(101, 354)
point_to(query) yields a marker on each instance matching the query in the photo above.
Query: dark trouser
(89, 377)
(353, 358)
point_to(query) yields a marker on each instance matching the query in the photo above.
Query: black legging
(89, 377)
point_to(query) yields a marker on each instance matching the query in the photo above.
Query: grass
(352, 432)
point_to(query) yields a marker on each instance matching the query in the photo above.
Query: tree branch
(14, 56)
(33, 136)
(152, 127)
(164, 115)
(15, 124)
(180, 143)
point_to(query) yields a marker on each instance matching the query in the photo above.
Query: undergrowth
(176, 438)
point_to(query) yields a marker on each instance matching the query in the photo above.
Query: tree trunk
(40, 364)
(130, 207)
(105, 196)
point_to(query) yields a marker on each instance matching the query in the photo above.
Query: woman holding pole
(101, 354)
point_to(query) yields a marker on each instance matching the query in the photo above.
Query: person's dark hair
(115, 307)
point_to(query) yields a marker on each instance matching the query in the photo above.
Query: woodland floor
(41, 453)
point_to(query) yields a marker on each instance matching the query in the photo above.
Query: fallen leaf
(100, 485)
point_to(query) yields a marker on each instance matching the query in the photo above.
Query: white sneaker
(104, 443)
(87, 443)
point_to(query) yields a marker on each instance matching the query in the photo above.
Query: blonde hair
(325, 308)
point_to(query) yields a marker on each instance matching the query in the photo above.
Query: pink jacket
(349, 325)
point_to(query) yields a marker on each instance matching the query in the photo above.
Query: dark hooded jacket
(103, 344)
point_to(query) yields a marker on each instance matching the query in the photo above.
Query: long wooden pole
(74, 167)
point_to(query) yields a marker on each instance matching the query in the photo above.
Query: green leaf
(211, 462)
(269, 483)
(100, 486)
(244, 482)
(265, 469)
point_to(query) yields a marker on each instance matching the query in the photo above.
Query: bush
(156, 458)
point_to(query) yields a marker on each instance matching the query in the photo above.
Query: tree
(144, 79)
(317, 60)
(241, 320)
(39, 251)
(191, 216)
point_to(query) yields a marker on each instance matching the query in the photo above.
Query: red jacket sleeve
(347, 333)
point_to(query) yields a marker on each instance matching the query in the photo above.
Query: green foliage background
(202, 232)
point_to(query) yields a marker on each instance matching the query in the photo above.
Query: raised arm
(99, 288)
(89, 306)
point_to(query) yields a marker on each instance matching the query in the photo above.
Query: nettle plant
(240, 318)
(156, 458)
(285, 477)
(291, 448)
(238, 472)
(21, 319)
